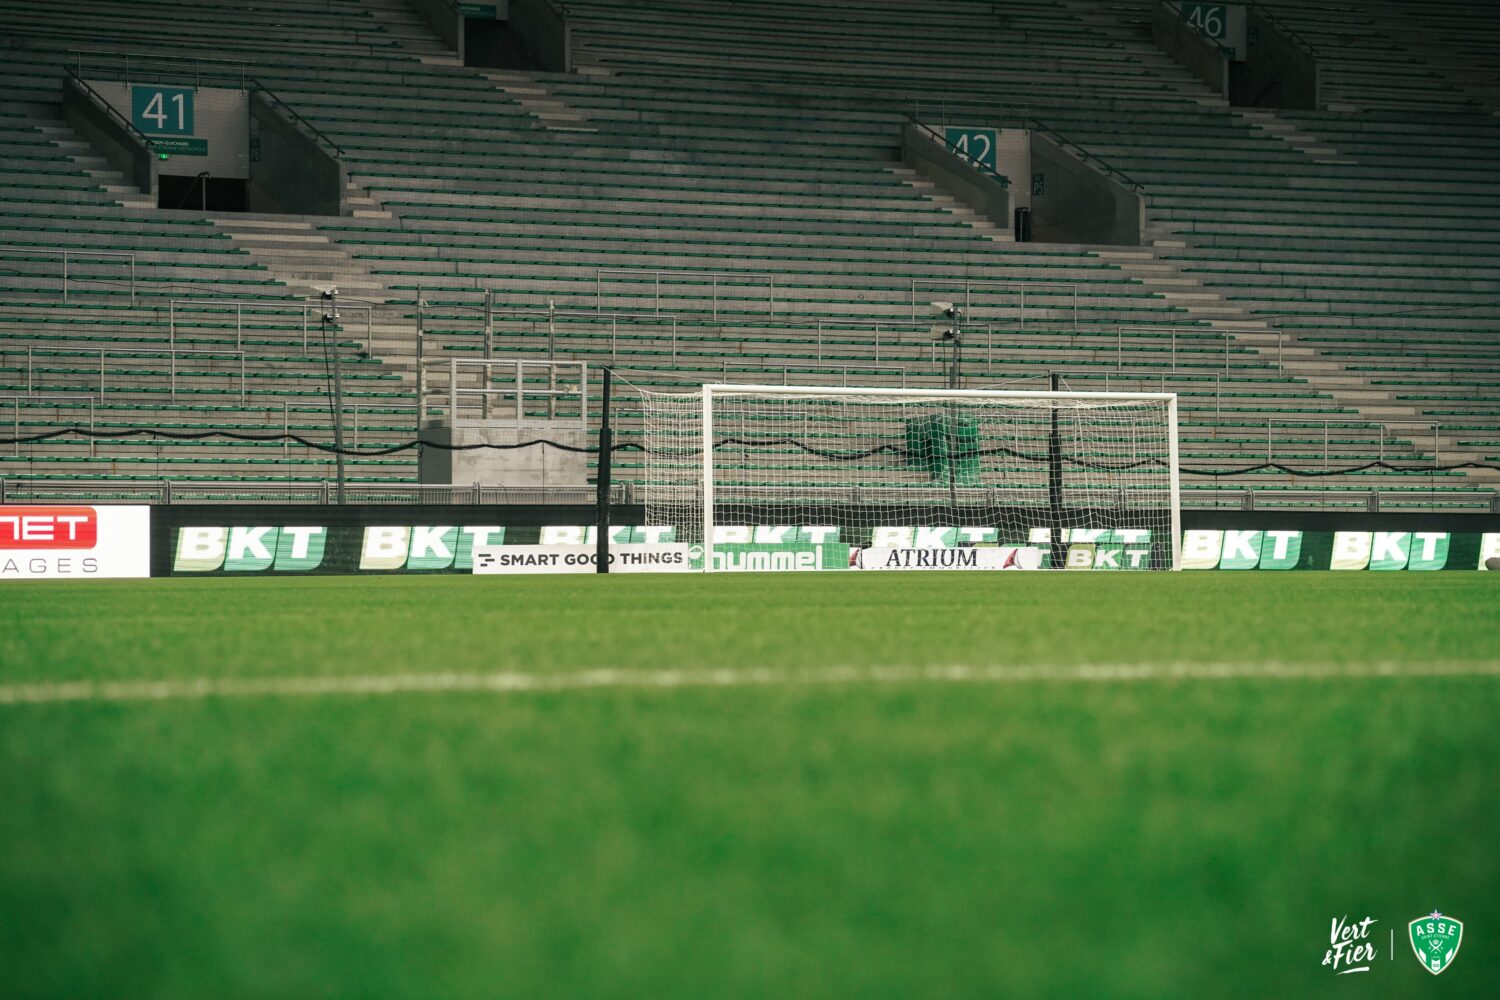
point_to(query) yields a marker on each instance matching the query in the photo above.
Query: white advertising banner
(987, 557)
(670, 557)
(46, 542)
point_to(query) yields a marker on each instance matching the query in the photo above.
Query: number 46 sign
(162, 110)
(1210, 18)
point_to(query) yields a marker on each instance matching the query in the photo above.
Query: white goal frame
(728, 389)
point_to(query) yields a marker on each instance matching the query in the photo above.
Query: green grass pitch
(792, 830)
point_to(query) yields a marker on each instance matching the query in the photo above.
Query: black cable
(894, 450)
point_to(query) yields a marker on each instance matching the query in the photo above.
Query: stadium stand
(715, 195)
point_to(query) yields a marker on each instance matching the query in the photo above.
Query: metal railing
(714, 276)
(31, 401)
(822, 371)
(1327, 425)
(472, 390)
(1084, 154)
(310, 312)
(1229, 337)
(140, 383)
(167, 491)
(942, 140)
(1475, 500)
(969, 284)
(70, 255)
(128, 60)
(1287, 30)
(110, 109)
(296, 116)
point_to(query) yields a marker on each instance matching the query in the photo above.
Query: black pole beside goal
(1055, 475)
(601, 479)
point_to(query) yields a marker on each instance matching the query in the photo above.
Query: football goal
(1059, 470)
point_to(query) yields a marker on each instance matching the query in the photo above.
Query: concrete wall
(1081, 203)
(1182, 42)
(110, 135)
(544, 33)
(957, 176)
(443, 17)
(290, 171)
(1276, 73)
(220, 118)
(535, 466)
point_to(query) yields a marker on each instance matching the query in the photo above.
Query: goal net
(1064, 471)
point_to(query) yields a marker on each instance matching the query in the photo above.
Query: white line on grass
(511, 682)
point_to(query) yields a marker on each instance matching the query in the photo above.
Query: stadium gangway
(1228, 335)
(657, 274)
(969, 284)
(40, 401)
(172, 355)
(70, 255)
(263, 306)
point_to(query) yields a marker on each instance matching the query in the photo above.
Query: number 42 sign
(162, 110)
(977, 145)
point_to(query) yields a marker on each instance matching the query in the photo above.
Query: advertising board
(47, 542)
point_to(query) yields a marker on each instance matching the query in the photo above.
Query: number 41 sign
(162, 110)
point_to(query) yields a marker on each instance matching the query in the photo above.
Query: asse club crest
(1435, 938)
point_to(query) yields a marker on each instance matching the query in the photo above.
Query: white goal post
(986, 466)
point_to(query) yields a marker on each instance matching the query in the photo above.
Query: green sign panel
(162, 110)
(181, 147)
(977, 145)
(1210, 18)
(488, 11)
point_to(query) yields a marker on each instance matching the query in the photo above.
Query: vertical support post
(65, 275)
(708, 479)
(330, 342)
(421, 371)
(1055, 472)
(489, 323)
(602, 477)
(1175, 483)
